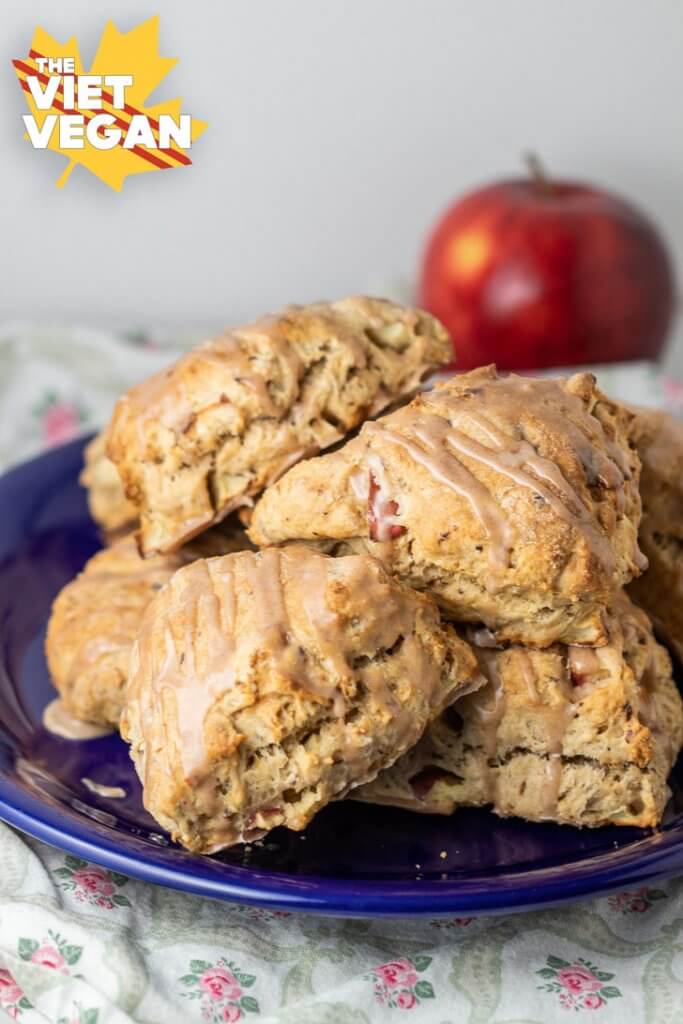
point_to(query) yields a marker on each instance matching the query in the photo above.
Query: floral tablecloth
(81, 945)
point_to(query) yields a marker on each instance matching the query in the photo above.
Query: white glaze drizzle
(60, 722)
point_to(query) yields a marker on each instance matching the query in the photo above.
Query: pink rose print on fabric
(579, 985)
(48, 956)
(60, 418)
(453, 922)
(593, 1001)
(60, 423)
(12, 998)
(673, 394)
(219, 987)
(91, 884)
(406, 1000)
(397, 974)
(94, 879)
(53, 952)
(9, 990)
(636, 902)
(397, 984)
(578, 979)
(220, 983)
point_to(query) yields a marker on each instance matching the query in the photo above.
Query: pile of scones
(450, 606)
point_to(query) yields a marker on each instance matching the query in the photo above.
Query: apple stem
(538, 173)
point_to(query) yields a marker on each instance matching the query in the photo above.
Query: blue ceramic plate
(353, 859)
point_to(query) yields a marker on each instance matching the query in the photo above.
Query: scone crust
(264, 685)
(584, 737)
(96, 617)
(203, 437)
(514, 501)
(658, 437)
(107, 501)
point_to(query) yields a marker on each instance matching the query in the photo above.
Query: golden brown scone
(659, 440)
(96, 617)
(265, 685)
(201, 438)
(576, 735)
(514, 501)
(107, 501)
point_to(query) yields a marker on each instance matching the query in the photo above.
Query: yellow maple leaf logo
(134, 53)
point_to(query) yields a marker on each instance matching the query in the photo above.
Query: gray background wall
(337, 132)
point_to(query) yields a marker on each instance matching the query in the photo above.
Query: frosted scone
(514, 501)
(203, 437)
(107, 501)
(570, 734)
(96, 617)
(659, 439)
(265, 685)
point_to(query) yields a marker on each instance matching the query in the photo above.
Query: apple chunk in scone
(513, 501)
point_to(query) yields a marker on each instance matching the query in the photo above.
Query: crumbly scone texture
(108, 504)
(265, 685)
(582, 736)
(202, 438)
(514, 501)
(659, 439)
(96, 617)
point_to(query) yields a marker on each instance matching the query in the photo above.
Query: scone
(96, 617)
(659, 439)
(107, 501)
(203, 437)
(571, 734)
(265, 685)
(514, 501)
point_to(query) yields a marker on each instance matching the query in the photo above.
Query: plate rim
(507, 893)
(657, 855)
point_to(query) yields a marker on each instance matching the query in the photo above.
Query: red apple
(533, 273)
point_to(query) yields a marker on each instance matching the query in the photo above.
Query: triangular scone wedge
(265, 685)
(571, 734)
(514, 501)
(205, 436)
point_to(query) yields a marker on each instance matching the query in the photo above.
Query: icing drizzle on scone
(265, 684)
(200, 665)
(434, 440)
